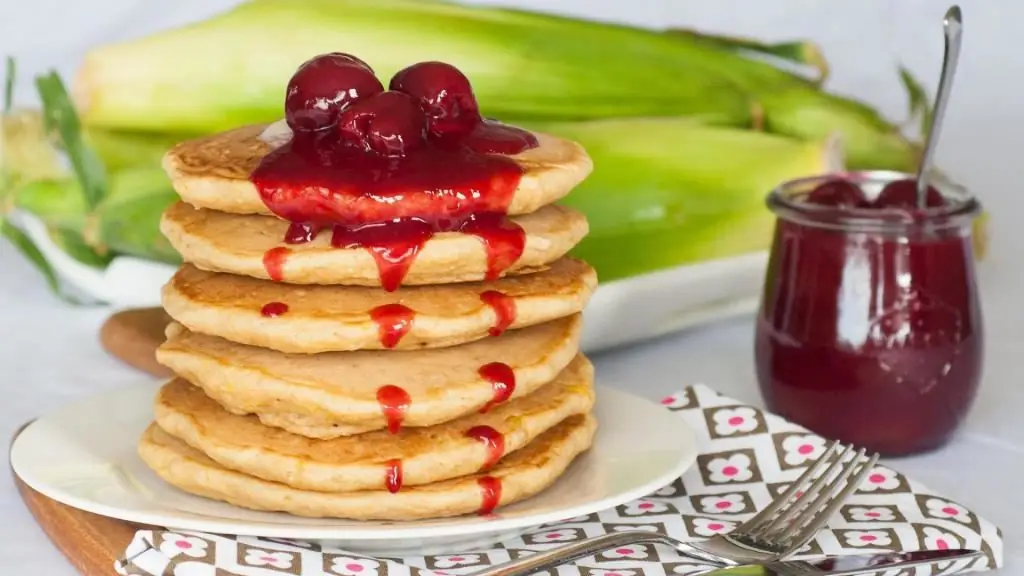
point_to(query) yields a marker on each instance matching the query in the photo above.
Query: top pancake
(213, 172)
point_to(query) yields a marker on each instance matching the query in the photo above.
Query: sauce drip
(490, 494)
(391, 206)
(504, 307)
(273, 262)
(393, 322)
(394, 402)
(493, 440)
(273, 309)
(503, 382)
(393, 475)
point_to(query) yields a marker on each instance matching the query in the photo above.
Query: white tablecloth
(49, 353)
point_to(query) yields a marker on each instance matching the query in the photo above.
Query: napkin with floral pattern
(748, 457)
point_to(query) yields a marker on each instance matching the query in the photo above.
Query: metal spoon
(952, 26)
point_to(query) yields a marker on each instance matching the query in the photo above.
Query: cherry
(903, 194)
(444, 93)
(838, 193)
(390, 124)
(324, 86)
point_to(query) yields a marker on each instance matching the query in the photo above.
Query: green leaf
(919, 103)
(72, 244)
(61, 117)
(24, 244)
(9, 74)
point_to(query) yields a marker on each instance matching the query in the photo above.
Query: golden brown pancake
(334, 318)
(238, 243)
(371, 461)
(336, 393)
(521, 475)
(213, 172)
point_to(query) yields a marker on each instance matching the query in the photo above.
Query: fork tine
(814, 523)
(783, 518)
(788, 495)
(817, 505)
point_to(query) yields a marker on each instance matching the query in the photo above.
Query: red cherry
(903, 194)
(324, 86)
(839, 194)
(443, 92)
(389, 124)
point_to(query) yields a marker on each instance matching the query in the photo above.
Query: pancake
(335, 393)
(521, 475)
(237, 244)
(365, 462)
(213, 172)
(336, 318)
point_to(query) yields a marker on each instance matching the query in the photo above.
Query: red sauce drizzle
(490, 493)
(503, 382)
(504, 310)
(493, 440)
(393, 206)
(274, 309)
(393, 475)
(273, 262)
(393, 322)
(394, 402)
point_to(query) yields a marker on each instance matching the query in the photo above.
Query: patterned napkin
(748, 457)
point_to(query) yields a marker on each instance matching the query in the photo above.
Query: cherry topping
(444, 94)
(389, 124)
(324, 86)
(839, 194)
(903, 194)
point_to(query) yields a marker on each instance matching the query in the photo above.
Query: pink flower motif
(280, 560)
(937, 539)
(638, 507)
(722, 504)
(799, 449)
(634, 552)
(880, 479)
(872, 514)
(176, 544)
(946, 509)
(563, 535)
(867, 538)
(733, 420)
(347, 566)
(711, 526)
(454, 561)
(677, 400)
(735, 468)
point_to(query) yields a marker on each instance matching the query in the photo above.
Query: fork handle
(571, 552)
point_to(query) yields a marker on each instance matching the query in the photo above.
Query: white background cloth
(49, 353)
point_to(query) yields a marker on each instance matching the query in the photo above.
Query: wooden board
(93, 543)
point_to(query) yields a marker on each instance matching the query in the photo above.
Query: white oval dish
(83, 455)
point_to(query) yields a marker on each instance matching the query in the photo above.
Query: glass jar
(870, 330)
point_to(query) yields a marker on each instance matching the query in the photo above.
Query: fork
(775, 533)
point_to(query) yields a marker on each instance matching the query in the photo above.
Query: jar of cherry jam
(869, 330)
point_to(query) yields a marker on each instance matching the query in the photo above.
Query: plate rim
(193, 521)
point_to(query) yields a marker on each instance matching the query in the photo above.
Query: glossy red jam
(386, 170)
(870, 330)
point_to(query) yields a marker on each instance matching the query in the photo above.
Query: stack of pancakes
(298, 391)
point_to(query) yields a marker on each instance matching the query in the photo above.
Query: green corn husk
(232, 69)
(666, 193)
(126, 221)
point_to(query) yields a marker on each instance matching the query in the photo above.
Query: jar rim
(784, 203)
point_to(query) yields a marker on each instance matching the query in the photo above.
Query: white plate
(621, 312)
(84, 456)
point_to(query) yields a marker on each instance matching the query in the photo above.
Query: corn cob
(653, 205)
(232, 69)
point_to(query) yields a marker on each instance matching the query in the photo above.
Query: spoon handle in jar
(952, 28)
